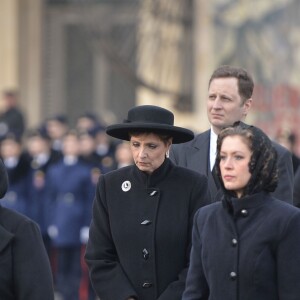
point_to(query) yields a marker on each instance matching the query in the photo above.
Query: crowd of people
(145, 210)
(52, 174)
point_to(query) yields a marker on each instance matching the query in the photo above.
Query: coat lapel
(198, 156)
(199, 160)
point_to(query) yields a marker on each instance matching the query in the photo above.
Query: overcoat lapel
(198, 161)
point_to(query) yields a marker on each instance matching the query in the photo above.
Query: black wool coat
(247, 251)
(25, 272)
(140, 235)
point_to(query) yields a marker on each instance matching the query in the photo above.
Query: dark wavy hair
(263, 162)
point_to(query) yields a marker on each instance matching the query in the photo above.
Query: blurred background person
(18, 169)
(11, 117)
(87, 148)
(41, 157)
(86, 121)
(70, 194)
(288, 139)
(105, 147)
(123, 155)
(57, 126)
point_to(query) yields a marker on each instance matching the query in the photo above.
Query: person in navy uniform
(11, 116)
(140, 234)
(41, 156)
(70, 193)
(87, 147)
(247, 245)
(105, 148)
(57, 126)
(18, 170)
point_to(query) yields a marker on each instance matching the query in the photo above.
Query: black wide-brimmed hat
(150, 118)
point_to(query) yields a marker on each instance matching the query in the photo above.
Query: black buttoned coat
(25, 272)
(247, 251)
(140, 235)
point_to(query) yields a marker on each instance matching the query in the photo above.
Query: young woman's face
(235, 156)
(148, 151)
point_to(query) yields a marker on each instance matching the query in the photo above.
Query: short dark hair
(245, 81)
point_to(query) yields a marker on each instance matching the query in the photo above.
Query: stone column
(9, 44)
(204, 59)
(30, 59)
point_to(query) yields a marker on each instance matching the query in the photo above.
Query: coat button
(146, 254)
(153, 193)
(244, 212)
(234, 242)
(233, 275)
(146, 222)
(147, 285)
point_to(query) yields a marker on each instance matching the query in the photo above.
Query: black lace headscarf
(263, 162)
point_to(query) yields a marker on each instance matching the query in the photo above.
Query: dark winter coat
(140, 235)
(24, 266)
(246, 250)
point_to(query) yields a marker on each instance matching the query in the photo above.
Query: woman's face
(235, 156)
(148, 151)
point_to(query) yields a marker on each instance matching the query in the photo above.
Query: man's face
(224, 104)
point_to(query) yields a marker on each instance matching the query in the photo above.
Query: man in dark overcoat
(229, 100)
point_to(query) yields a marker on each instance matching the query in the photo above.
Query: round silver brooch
(126, 186)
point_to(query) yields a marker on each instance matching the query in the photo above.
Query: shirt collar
(212, 148)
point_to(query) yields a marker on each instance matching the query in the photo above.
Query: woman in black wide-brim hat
(140, 235)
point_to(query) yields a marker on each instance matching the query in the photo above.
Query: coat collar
(157, 176)
(236, 205)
